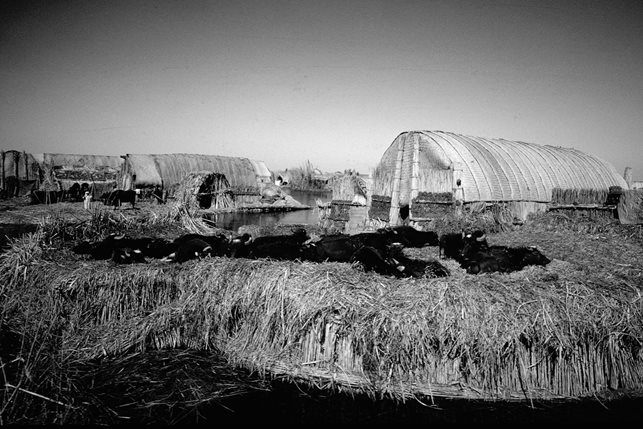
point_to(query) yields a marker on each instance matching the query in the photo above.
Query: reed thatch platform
(566, 331)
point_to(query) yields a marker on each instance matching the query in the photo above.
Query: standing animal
(73, 193)
(118, 196)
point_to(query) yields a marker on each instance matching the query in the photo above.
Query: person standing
(458, 196)
(87, 200)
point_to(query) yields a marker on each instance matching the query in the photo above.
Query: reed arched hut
(168, 170)
(204, 190)
(19, 173)
(422, 167)
(99, 172)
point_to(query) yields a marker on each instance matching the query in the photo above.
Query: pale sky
(332, 82)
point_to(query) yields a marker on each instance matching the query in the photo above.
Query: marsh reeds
(570, 330)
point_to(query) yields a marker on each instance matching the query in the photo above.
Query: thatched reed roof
(169, 169)
(490, 169)
(77, 161)
(102, 171)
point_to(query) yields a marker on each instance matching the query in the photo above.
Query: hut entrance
(205, 190)
(214, 190)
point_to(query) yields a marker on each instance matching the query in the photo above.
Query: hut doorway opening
(214, 190)
(204, 190)
(404, 214)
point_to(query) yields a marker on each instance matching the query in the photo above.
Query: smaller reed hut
(204, 190)
(19, 173)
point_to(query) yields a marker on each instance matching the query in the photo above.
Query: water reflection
(232, 221)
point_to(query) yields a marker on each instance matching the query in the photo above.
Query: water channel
(232, 221)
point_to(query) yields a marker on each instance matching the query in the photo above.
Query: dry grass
(572, 329)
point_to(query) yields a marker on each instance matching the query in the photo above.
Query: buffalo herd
(380, 251)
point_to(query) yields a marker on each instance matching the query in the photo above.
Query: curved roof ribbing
(504, 170)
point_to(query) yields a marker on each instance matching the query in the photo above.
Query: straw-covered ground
(71, 327)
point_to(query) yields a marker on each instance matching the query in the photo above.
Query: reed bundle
(572, 196)
(630, 207)
(346, 187)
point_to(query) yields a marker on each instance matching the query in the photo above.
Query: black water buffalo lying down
(372, 259)
(340, 247)
(123, 249)
(477, 256)
(408, 236)
(219, 243)
(190, 248)
(128, 255)
(421, 268)
(374, 252)
(503, 259)
(332, 248)
(282, 247)
(398, 265)
(118, 196)
(451, 244)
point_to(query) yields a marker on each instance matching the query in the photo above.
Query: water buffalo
(286, 250)
(410, 236)
(118, 196)
(333, 248)
(477, 256)
(126, 248)
(240, 246)
(381, 240)
(371, 259)
(453, 245)
(193, 248)
(73, 193)
(420, 268)
(285, 246)
(102, 249)
(128, 255)
(219, 243)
